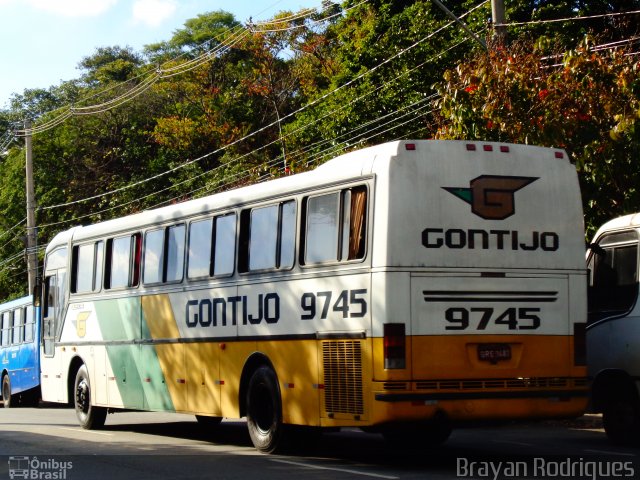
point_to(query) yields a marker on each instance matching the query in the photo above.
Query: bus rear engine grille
(342, 362)
(508, 383)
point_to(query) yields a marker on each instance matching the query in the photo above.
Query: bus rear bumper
(471, 406)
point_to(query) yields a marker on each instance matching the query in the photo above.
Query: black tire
(621, 420)
(89, 416)
(264, 410)
(6, 392)
(208, 422)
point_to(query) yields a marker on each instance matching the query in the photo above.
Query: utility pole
(497, 17)
(32, 255)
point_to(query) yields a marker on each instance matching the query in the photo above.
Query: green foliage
(588, 104)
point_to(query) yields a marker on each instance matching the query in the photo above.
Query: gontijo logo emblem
(491, 197)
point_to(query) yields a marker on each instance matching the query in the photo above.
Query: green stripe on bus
(136, 368)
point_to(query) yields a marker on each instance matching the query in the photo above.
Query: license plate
(494, 352)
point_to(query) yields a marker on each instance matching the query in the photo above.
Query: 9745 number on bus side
(348, 303)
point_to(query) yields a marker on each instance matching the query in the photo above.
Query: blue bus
(20, 352)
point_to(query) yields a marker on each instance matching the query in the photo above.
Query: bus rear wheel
(6, 391)
(264, 410)
(89, 416)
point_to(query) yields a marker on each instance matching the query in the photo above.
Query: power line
(567, 19)
(237, 34)
(270, 24)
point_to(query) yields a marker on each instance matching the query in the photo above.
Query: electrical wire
(252, 28)
(262, 129)
(567, 19)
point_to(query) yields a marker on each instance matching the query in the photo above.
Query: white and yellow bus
(400, 288)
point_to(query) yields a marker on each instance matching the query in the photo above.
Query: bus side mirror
(597, 249)
(37, 292)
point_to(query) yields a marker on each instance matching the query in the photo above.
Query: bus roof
(18, 302)
(626, 221)
(356, 164)
(342, 168)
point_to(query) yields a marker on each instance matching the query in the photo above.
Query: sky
(42, 41)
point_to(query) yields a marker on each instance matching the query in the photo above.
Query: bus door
(53, 310)
(613, 294)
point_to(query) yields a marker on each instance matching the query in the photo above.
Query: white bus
(400, 288)
(613, 331)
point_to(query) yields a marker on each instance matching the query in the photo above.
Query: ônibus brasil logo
(491, 197)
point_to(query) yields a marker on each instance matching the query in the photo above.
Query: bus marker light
(504, 148)
(410, 146)
(559, 155)
(487, 148)
(182, 381)
(222, 346)
(471, 147)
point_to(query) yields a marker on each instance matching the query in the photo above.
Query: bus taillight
(394, 346)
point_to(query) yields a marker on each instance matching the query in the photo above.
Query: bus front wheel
(6, 391)
(89, 416)
(264, 410)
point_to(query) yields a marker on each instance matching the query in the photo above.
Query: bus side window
(267, 237)
(199, 249)
(86, 267)
(613, 281)
(354, 247)
(224, 249)
(29, 324)
(335, 226)
(123, 261)
(164, 255)
(6, 330)
(18, 326)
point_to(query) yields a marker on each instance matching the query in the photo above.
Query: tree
(588, 104)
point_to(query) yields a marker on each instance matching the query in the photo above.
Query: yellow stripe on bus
(159, 317)
(162, 326)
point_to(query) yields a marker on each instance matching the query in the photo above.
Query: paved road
(47, 443)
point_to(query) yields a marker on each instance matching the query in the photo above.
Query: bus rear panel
(480, 283)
